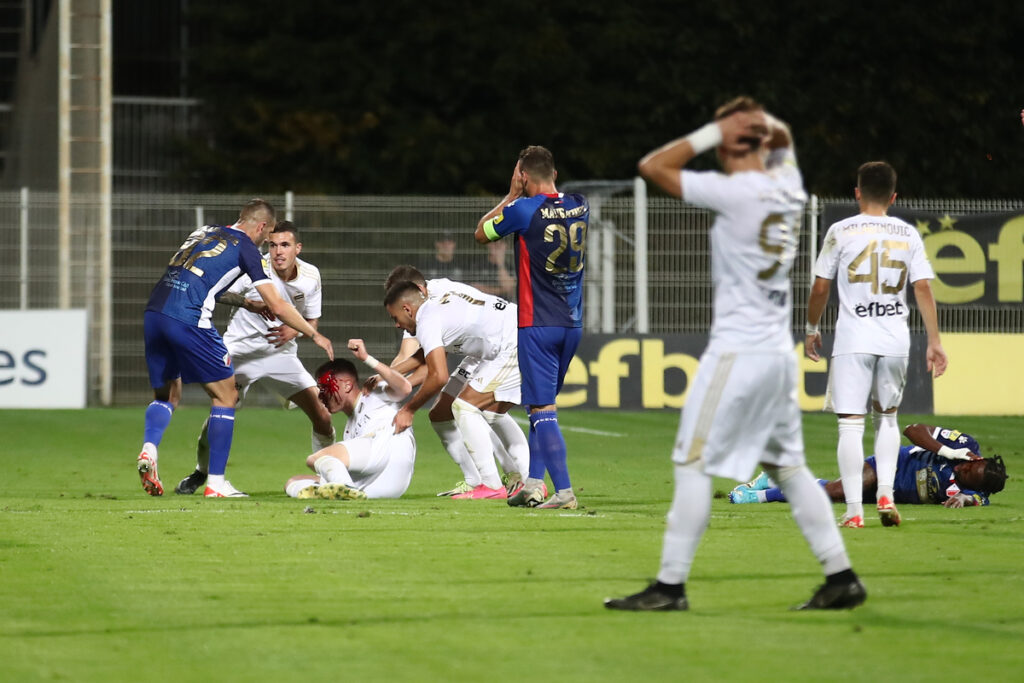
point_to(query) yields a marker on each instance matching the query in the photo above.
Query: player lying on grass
(942, 467)
(371, 460)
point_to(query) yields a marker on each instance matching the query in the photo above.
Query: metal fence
(355, 241)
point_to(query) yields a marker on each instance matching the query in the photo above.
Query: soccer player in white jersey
(510, 445)
(742, 407)
(263, 349)
(371, 460)
(872, 256)
(481, 327)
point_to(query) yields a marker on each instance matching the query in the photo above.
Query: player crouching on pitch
(371, 461)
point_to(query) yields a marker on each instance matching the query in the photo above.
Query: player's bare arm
(779, 135)
(239, 301)
(921, 435)
(398, 386)
(437, 376)
(516, 189)
(815, 307)
(935, 355)
(291, 317)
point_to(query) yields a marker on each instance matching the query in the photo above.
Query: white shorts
(500, 375)
(855, 379)
(381, 465)
(460, 378)
(741, 410)
(281, 373)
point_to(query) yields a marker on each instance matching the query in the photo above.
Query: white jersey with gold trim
(246, 331)
(470, 324)
(753, 244)
(872, 258)
(373, 413)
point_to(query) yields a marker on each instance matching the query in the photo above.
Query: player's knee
(780, 474)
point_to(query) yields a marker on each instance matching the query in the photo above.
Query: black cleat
(837, 596)
(191, 483)
(649, 599)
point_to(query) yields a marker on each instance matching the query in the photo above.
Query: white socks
(887, 451)
(477, 435)
(812, 512)
(451, 438)
(333, 471)
(514, 441)
(850, 453)
(687, 520)
(293, 487)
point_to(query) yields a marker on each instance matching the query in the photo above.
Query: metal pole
(200, 219)
(24, 249)
(608, 278)
(106, 227)
(289, 204)
(643, 318)
(594, 264)
(814, 234)
(64, 156)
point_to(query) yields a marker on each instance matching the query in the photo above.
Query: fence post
(643, 319)
(23, 281)
(289, 204)
(200, 219)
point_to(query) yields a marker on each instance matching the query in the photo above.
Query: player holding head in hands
(873, 256)
(551, 233)
(183, 346)
(742, 407)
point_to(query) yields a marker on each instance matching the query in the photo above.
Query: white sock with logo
(850, 454)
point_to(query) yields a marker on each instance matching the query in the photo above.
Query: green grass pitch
(100, 582)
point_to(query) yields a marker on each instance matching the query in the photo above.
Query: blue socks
(774, 495)
(546, 442)
(158, 416)
(220, 431)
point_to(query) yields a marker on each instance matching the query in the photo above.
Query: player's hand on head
(517, 185)
(358, 349)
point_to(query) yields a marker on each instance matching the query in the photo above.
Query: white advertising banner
(43, 359)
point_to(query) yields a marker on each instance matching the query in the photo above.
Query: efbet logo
(877, 309)
(637, 373)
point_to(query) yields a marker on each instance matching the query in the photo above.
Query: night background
(403, 97)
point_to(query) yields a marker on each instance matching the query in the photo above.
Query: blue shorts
(544, 357)
(174, 349)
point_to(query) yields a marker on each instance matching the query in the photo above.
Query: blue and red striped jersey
(551, 235)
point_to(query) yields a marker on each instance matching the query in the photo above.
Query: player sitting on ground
(371, 460)
(943, 467)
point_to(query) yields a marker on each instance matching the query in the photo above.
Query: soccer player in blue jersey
(941, 467)
(550, 228)
(183, 346)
